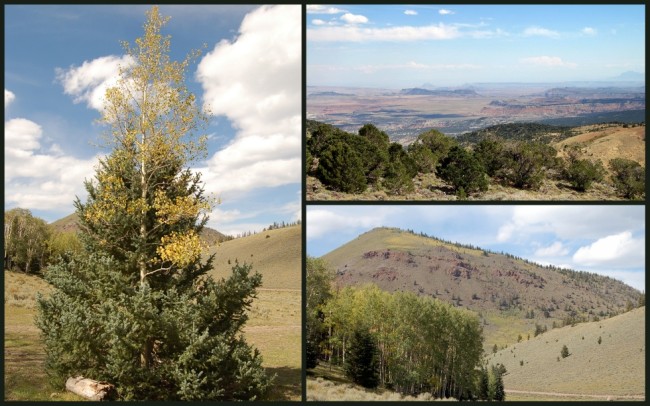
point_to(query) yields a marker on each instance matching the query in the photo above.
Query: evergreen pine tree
(361, 363)
(564, 352)
(499, 390)
(340, 167)
(484, 385)
(135, 307)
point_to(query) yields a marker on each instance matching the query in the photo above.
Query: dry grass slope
(274, 326)
(614, 368)
(327, 383)
(276, 254)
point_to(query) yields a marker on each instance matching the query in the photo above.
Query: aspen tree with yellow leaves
(135, 308)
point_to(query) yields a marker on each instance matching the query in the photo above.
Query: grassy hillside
(276, 254)
(614, 368)
(503, 290)
(608, 141)
(70, 223)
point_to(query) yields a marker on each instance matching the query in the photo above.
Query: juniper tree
(136, 307)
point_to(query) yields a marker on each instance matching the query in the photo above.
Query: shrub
(489, 153)
(341, 168)
(463, 171)
(526, 164)
(581, 173)
(628, 177)
(429, 149)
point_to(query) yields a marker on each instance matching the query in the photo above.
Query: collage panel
(153, 208)
(475, 102)
(535, 111)
(475, 302)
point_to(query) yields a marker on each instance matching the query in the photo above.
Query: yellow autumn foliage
(180, 249)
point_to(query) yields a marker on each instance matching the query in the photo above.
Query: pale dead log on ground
(90, 389)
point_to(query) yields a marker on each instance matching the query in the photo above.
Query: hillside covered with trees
(517, 156)
(418, 314)
(406, 343)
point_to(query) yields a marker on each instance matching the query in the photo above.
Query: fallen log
(90, 389)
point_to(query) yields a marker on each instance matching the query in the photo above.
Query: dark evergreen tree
(375, 136)
(484, 385)
(398, 177)
(490, 153)
(463, 171)
(135, 307)
(341, 168)
(361, 364)
(498, 388)
(564, 352)
(372, 152)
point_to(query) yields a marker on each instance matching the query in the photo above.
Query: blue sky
(59, 60)
(608, 240)
(401, 46)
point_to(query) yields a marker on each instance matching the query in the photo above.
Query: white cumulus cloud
(354, 18)
(410, 12)
(569, 222)
(88, 82)
(548, 61)
(9, 97)
(320, 9)
(37, 179)
(540, 32)
(318, 21)
(255, 81)
(391, 34)
(445, 12)
(553, 250)
(620, 249)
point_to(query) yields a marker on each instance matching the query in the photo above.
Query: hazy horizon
(588, 83)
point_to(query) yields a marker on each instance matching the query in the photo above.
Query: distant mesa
(418, 91)
(630, 76)
(329, 94)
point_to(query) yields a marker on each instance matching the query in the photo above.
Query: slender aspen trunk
(147, 349)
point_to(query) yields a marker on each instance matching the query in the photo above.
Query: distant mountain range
(418, 91)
